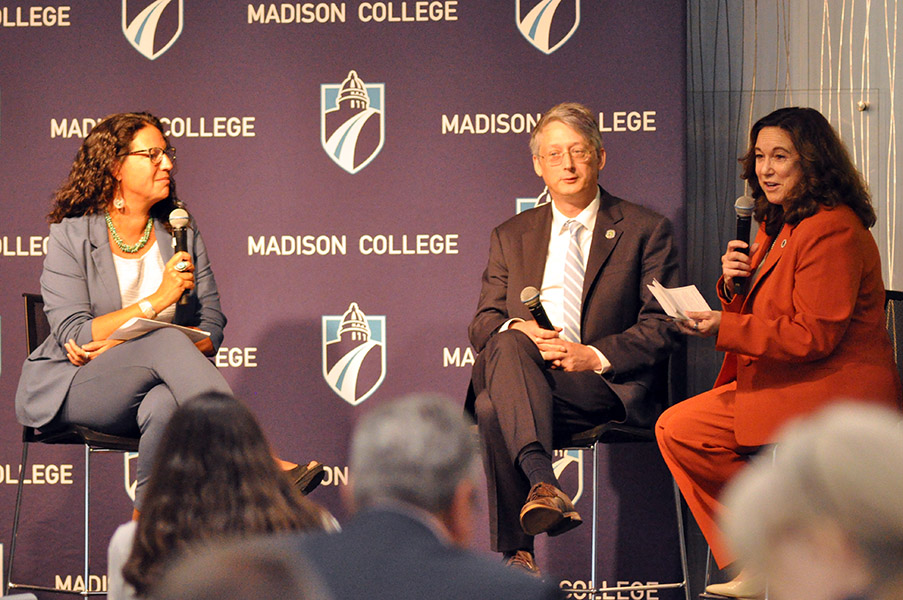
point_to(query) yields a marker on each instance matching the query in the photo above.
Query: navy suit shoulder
(629, 207)
(529, 219)
(387, 554)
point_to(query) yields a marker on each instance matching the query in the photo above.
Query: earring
(119, 203)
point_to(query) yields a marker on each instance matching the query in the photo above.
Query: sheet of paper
(137, 326)
(676, 301)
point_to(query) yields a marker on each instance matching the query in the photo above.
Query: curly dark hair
(214, 477)
(91, 183)
(829, 176)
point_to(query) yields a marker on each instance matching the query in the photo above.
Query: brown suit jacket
(631, 246)
(811, 329)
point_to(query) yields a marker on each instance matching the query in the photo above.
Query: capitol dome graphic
(351, 121)
(354, 356)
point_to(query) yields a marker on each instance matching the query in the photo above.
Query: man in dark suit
(414, 468)
(590, 255)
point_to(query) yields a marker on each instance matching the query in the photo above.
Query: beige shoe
(744, 585)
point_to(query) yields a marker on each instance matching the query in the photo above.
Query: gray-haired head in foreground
(417, 450)
(843, 466)
(239, 569)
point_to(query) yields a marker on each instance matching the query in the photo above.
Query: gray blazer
(78, 283)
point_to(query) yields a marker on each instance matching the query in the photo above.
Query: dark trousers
(519, 401)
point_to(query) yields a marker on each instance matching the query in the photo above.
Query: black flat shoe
(307, 477)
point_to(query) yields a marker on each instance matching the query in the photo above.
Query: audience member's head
(417, 451)
(214, 475)
(240, 570)
(824, 521)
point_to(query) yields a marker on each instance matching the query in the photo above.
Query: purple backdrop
(386, 200)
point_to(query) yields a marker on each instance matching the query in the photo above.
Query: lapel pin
(610, 234)
(783, 243)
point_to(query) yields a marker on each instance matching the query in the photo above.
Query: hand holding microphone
(735, 267)
(744, 208)
(540, 330)
(530, 297)
(558, 353)
(179, 220)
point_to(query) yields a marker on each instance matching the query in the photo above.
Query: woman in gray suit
(110, 258)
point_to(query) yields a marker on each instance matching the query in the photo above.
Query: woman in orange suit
(805, 328)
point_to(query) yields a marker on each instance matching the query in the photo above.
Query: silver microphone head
(179, 219)
(744, 206)
(529, 296)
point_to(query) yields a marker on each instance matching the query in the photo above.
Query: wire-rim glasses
(155, 154)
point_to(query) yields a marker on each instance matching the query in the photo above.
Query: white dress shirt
(552, 292)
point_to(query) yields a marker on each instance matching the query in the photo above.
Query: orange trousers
(697, 441)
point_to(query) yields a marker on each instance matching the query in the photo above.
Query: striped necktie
(573, 284)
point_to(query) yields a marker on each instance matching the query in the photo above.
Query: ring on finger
(181, 266)
(695, 326)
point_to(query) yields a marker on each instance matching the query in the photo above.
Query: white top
(552, 293)
(117, 553)
(140, 277)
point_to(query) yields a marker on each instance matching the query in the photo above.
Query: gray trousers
(136, 386)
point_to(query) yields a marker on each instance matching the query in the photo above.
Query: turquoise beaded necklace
(122, 245)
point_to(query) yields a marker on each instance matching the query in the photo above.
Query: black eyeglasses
(156, 154)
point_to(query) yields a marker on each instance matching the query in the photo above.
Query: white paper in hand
(676, 301)
(137, 326)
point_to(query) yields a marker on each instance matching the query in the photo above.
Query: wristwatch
(147, 308)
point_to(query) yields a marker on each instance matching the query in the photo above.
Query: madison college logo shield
(522, 204)
(130, 473)
(564, 459)
(547, 24)
(150, 27)
(354, 354)
(352, 121)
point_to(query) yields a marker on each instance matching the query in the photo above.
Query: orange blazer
(811, 329)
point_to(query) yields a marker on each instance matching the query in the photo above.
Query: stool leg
(20, 486)
(87, 512)
(595, 583)
(682, 540)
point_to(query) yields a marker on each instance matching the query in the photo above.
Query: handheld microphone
(530, 297)
(744, 208)
(179, 220)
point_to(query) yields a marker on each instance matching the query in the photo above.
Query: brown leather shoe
(548, 510)
(523, 560)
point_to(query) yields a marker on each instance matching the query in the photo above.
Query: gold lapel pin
(610, 234)
(783, 243)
